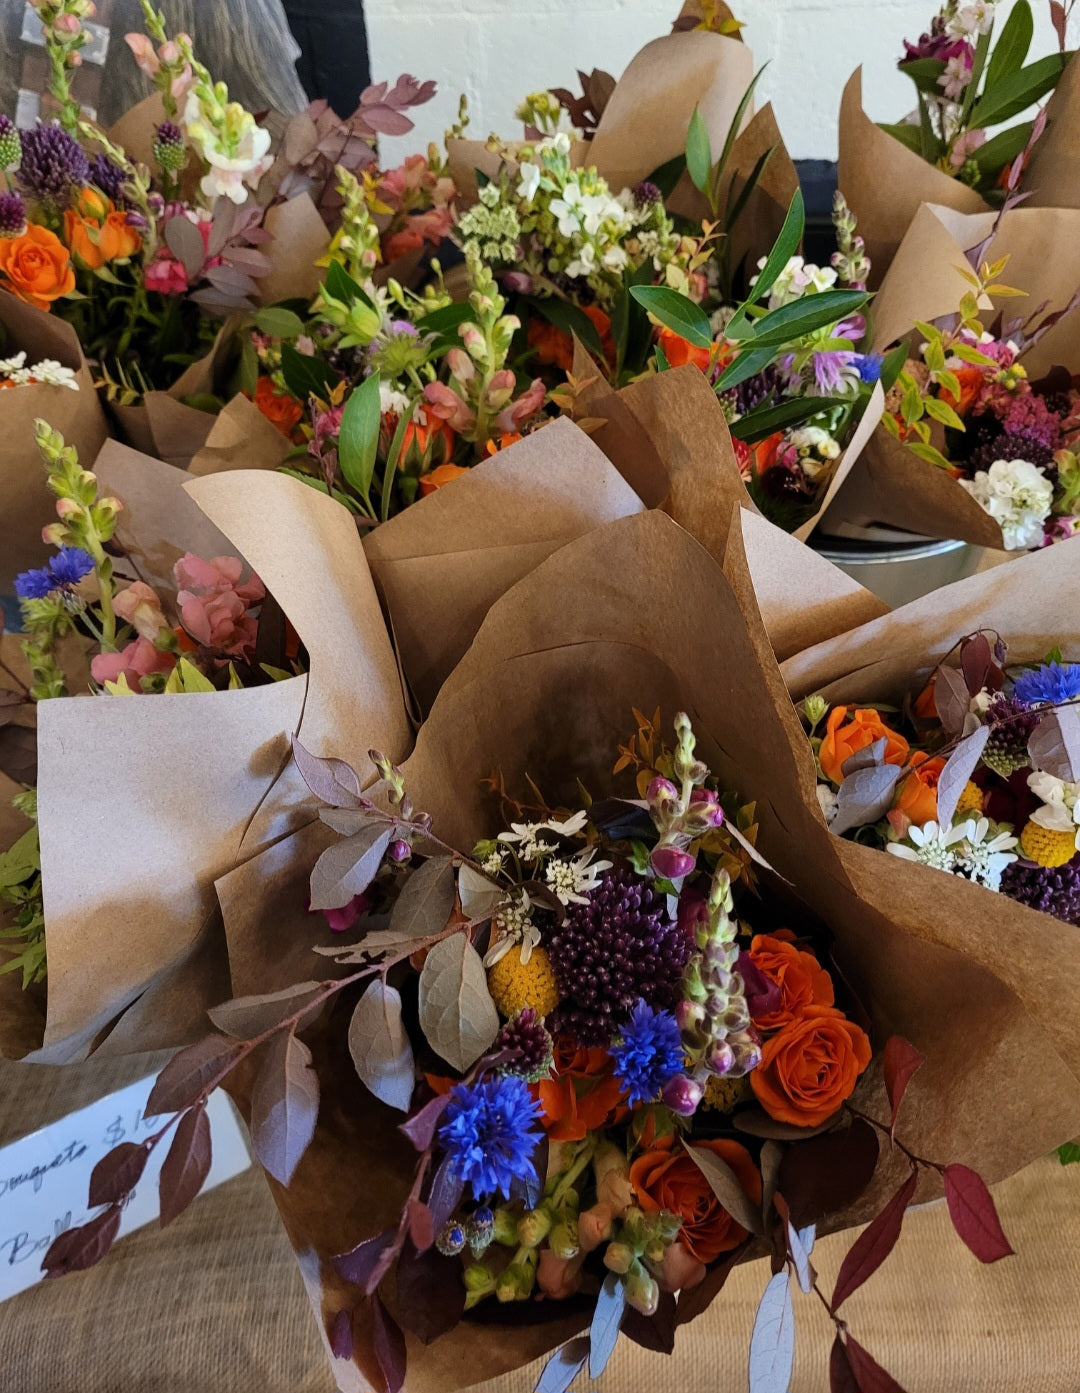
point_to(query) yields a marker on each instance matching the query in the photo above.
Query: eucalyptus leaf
(480, 897)
(1054, 744)
(959, 768)
(284, 1106)
(380, 1048)
(864, 797)
(426, 900)
(457, 1013)
(347, 868)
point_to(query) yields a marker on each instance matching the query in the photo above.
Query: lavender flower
(489, 1134)
(649, 1053)
(52, 162)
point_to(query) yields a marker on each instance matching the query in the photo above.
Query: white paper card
(45, 1177)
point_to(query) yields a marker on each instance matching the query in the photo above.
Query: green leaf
(1017, 92)
(733, 129)
(21, 860)
(1002, 149)
(698, 152)
(662, 364)
(932, 146)
(924, 72)
(1069, 1153)
(784, 248)
(341, 285)
(358, 438)
(978, 63)
(941, 411)
(749, 363)
(676, 312)
(967, 354)
(668, 174)
(804, 316)
(906, 133)
(570, 320)
(756, 425)
(186, 677)
(1011, 48)
(306, 376)
(928, 453)
(893, 365)
(444, 323)
(278, 323)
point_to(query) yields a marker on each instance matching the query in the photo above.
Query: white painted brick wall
(498, 50)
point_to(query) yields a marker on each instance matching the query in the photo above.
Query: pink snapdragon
(138, 660)
(214, 605)
(140, 607)
(151, 60)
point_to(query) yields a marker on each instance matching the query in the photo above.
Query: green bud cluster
(640, 1243)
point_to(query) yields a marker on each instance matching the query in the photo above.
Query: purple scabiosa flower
(10, 143)
(53, 162)
(69, 566)
(1052, 889)
(489, 1134)
(36, 584)
(648, 1054)
(620, 948)
(12, 215)
(1050, 684)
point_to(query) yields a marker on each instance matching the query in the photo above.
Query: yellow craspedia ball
(971, 800)
(1047, 847)
(514, 985)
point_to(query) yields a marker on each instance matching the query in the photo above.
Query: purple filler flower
(12, 215)
(829, 374)
(52, 162)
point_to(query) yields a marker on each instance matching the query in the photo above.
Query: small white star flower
(574, 881)
(513, 927)
(54, 374)
(932, 845)
(985, 861)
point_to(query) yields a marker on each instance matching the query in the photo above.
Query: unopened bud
(618, 1258)
(516, 1283)
(682, 1095)
(671, 863)
(720, 1058)
(399, 851)
(535, 1226)
(642, 1292)
(479, 1280)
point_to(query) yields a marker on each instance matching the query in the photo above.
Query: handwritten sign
(44, 1177)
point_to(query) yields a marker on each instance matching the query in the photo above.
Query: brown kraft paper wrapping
(1053, 172)
(26, 505)
(637, 613)
(885, 183)
(925, 282)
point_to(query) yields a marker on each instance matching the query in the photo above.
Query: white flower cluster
(1060, 811)
(969, 21)
(1018, 496)
(798, 278)
(965, 849)
(14, 372)
(816, 448)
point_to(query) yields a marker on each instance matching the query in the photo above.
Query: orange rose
(430, 441)
(926, 703)
(842, 741)
(582, 1093)
(96, 232)
(678, 351)
(972, 380)
(810, 1067)
(555, 346)
(506, 439)
(917, 802)
(37, 266)
(802, 980)
(282, 411)
(438, 478)
(666, 1178)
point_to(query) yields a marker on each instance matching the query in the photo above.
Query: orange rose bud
(678, 351)
(282, 411)
(96, 232)
(971, 381)
(810, 1067)
(665, 1178)
(505, 440)
(842, 741)
(36, 266)
(438, 478)
(802, 980)
(917, 800)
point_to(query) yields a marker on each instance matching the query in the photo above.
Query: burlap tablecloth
(215, 1303)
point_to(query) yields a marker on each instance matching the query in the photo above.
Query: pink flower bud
(670, 862)
(660, 790)
(682, 1095)
(720, 1058)
(594, 1227)
(67, 507)
(67, 24)
(399, 851)
(679, 1271)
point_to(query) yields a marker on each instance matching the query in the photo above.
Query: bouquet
(978, 432)
(659, 1210)
(969, 81)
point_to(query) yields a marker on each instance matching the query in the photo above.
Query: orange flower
(972, 380)
(506, 438)
(582, 1093)
(555, 346)
(282, 411)
(842, 741)
(37, 266)
(926, 704)
(810, 1067)
(438, 478)
(96, 232)
(666, 1178)
(430, 441)
(801, 978)
(917, 802)
(678, 351)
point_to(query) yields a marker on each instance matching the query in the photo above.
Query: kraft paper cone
(300, 239)
(885, 183)
(26, 505)
(1053, 172)
(1032, 604)
(926, 282)
(240, 438)
(145, 802)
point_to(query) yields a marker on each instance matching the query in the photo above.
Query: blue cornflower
(489, 1134)
(69, 566)
(649, 1053)
(35, 584)
(868, 366)
(1053, 682)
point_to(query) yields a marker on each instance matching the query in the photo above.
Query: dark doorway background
(334, 61)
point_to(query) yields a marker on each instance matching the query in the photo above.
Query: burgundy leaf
(958, 770)
(973, 1214)
(254, 263)
(655, 1332)
(192, 1073)
(874, 1244)
(976, 661)
(384, 120)
(429, 1304)
(358, 1264)
(284, 1106)
(841, 1377)
(339, 1334)
(389, 1346)
(82, 1247)
(330, 780)
(951, 699)
(230, 281)
(698, 1299)
(117, 1173)
(1057, 18)
(249, 1016)
(828, 1173)
(420, 1128)
(186, 1166)
(564, 1366)
(756, 1122)
(223, 226)
(870, 1377)
(421, 1228)
(446, 1192)
(900, 1063)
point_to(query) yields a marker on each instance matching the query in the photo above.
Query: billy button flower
(97, 232)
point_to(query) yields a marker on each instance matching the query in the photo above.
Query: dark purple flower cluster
(53, 162)
(525, 1046)
(110, 178)
(1053, 889)
(12, 215)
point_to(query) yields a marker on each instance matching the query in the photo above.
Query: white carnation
(1018, 496)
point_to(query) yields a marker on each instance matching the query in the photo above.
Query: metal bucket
(899, 572)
